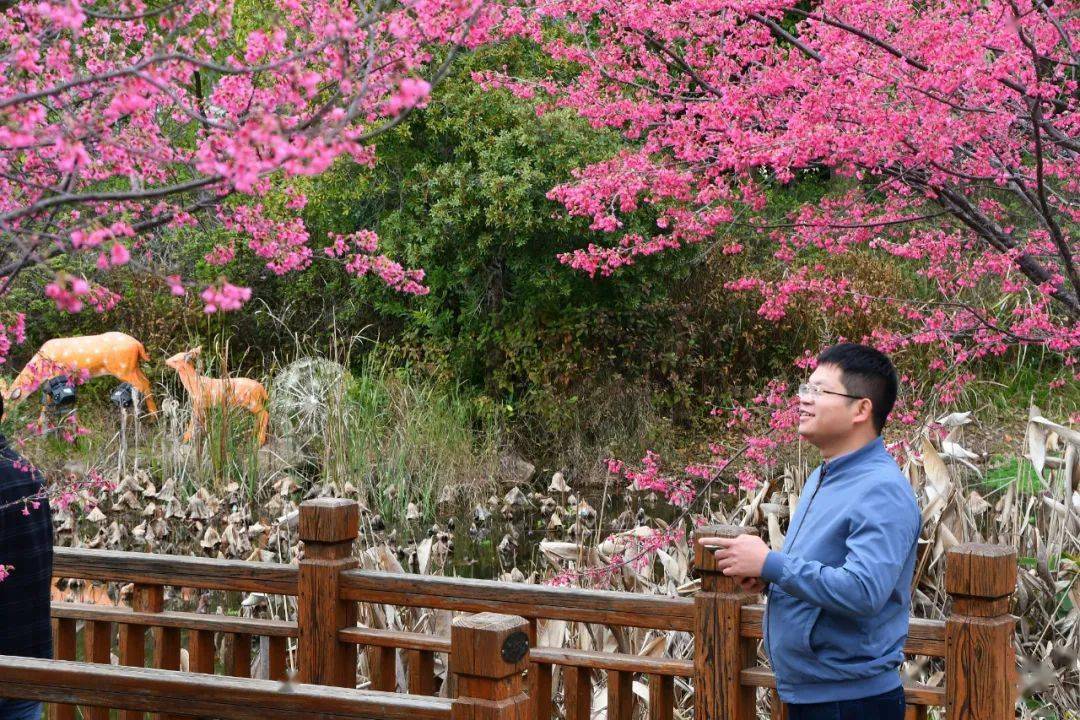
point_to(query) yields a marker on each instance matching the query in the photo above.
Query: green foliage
(409, 438)
(1005, 471)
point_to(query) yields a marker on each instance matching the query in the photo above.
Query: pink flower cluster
(358, 250)
(131, 122)
(225, 297)
(678, 491)
(12, 331)
(411, 93)
(67, 292)
(932, 137)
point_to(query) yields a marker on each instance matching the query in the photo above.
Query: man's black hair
(865, 372)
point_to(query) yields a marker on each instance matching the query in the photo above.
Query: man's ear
(865, 410)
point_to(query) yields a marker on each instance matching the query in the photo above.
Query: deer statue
(208, 392)
(111, 353)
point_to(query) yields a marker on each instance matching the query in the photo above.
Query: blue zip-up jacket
(840, 589)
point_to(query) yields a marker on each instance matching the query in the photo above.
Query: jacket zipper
(768, 613)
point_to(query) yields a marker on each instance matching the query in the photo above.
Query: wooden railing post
(980, 662)
(720, 653)
(488, 653)
(328, 527)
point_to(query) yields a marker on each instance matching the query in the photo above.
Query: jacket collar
(855, 456)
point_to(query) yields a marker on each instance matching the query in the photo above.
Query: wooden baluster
(620, 695)
(720, 653)
(532, 677)
(97, 639)
(915, 712)
(238, 655)
(661, 697)
(488, 654)
(63, 649)
(328, 527)
(540, 690)
(421, 672)
(577, 687)
(151, 599)
(383, 662)
(777, 707)
(201, 651)
(279, 658)
(980, 662)
(132, 643)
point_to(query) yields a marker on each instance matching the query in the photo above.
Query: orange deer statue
(208, 392)
(111, 353)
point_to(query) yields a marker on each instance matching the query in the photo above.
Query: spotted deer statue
(206, 393)
(111, 353)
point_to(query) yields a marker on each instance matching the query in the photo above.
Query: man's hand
(742, 556)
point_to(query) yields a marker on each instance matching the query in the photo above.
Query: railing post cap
(489, 645)
(329, 520)
(704, 558)
(980, 570)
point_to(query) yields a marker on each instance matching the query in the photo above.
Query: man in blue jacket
(839, 591)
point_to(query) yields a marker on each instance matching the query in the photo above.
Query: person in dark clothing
(839, 590)
(26, 556)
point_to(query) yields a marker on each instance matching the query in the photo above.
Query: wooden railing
(976, 641)
(489, 686)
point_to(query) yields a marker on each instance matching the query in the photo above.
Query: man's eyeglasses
(810, 391)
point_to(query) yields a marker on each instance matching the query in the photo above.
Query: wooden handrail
(175, 570)
(152, 690)
(531, 601)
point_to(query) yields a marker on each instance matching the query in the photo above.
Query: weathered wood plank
(395, 639)
(279, 658)
(63, 649)
(529, 601)
(97, 639)
(174, 619)
(540, 690)
(149, 689)
(421, 664)
(238, 655)
(132, 644)
(614, 661)
(177, 570)
(201, 651)
(661, 697)
(620, 695)
(577, 687)
(915, 712)
(383, 662)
